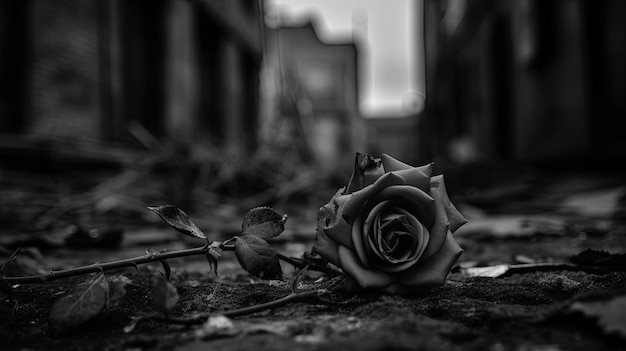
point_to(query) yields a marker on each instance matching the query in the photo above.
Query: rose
(391, 227)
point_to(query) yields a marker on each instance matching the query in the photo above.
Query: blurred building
(313, 85)
(312, 88)
(176, 70)
(525, 80)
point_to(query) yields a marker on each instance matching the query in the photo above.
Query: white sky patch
(391, 57)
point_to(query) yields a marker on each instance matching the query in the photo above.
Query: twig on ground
(201, 318)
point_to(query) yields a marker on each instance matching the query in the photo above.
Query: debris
(217, 326)
(513, 226)
(600, 203)
(610, 313)
(598, 258)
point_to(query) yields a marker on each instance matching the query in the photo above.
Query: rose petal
(371, 175)
(366, 234)
(366, 278)
(412, 199)
(373, 242)
(435, 269)
(422, 241)
(357, 240)
(366, 171)
(357, 199)
(390, 164)
(418, 177)
(403, 248)
(330, 218)
(396, 251)
(326, 247)
(341, 233)
(424, 237)
(454, 216)
(327, 214)
(389, 216)
(397, 235)
(440, 227)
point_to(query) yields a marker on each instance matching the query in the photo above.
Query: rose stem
(133, 262)
(99, 267)
(201, 318)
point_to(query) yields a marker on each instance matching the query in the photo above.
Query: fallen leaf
(610, 313)
(178, 220)
(80, 305)
(164, 294)
(486, 272)
(257, 257)
(263, 222)
(500, 270)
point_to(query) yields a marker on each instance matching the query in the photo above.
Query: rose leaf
(117, 289)
(263, 222)
(164, 294)
(81, 304)
(257, 257)
(178, 220)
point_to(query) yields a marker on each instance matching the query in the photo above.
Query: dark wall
(526, 80)
(129, 70)
(14, 53)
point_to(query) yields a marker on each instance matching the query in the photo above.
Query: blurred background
(218, 106)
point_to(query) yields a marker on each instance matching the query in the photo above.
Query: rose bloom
(391, 227)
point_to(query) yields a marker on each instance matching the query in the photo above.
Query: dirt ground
(527, 310)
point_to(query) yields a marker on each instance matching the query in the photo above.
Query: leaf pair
(253, 251)
(262, 222)
(86, 301)
(251, 247)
